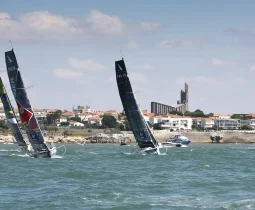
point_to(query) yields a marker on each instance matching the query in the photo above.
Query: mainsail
(134, 115)
(11, 117)
(26, 113)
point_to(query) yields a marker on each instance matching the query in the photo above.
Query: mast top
(11, 44)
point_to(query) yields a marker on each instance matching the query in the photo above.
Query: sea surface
(107, 176)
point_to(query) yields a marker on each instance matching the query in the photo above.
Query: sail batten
(26, 113)
(134, 115)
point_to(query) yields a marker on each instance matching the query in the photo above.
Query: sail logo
(12, 68)
(10, 60)
(13, 86)
(121, 75)
(141, 134)
(120, 69)
(25, 115)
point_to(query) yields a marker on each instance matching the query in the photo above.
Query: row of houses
(169, 121)
(217, 121)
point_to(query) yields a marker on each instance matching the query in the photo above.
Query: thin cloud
(88, 65)
(179, 43)
(252, 68)
(67, 74)
(150, 26)
(221, 62)
(145, 67)
(137, 77)
(105, 24)
(245, 37)
(198, 79)
(132, 44)
(43, 25)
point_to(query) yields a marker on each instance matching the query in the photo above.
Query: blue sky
(67, 51)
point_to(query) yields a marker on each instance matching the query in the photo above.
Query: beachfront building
(250, 123)
(178, 124)
(227, 124)
(207, 123)
(197, 121)
(221, 116)
(173, 122)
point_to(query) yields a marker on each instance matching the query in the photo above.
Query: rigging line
(11, 44)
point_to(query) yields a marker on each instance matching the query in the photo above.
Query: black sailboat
(139, 126)
(26, 113)
(11, 118)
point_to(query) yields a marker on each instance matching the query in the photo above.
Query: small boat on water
(177, 141)
(123, 143)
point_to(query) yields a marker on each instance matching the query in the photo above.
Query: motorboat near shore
(177, 141)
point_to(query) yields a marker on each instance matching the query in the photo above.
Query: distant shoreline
(161, 136)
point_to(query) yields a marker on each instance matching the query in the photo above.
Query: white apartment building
(177, 123)
(250, 123)
(228, 124)
(95, 120)
(207, 123)
(174, 122)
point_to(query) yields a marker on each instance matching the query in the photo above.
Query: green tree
(246, 127)
(157, 126)
(109, 121)
(239, 116)
(197, 113)
(77, 119)
(64, 123)
(51, 118)
(3, 124)
(176, 112)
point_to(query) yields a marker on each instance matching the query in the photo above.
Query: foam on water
(9, 150)
(56, 157)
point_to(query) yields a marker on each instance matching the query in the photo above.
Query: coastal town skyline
(68, 54)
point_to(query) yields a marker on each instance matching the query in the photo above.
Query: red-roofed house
(114, 113)
(95, 120)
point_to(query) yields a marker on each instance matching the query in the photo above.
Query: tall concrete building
(181, 106)
(185, 96)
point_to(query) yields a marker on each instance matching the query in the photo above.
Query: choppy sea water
(100, 176)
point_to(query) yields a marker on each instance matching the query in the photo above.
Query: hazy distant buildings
(82, 109)
(181, 106)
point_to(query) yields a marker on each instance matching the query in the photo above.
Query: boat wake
(9, 150)
(19, 155)
(56, 157)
